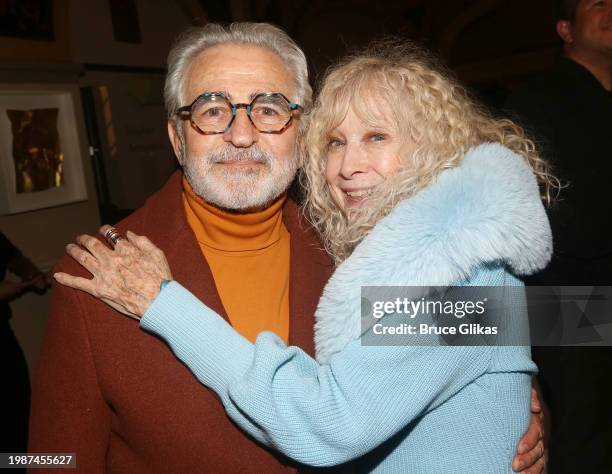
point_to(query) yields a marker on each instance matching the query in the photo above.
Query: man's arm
(21, 266)
(68, 411)
(11, 289)
(18, 264)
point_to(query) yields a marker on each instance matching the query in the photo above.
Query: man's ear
(564, 30)
(175, 141)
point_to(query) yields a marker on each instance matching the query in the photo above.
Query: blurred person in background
(569, 109)
(15, 394)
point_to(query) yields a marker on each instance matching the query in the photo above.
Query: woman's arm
(316, 414)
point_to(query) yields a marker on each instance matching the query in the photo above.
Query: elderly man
(116, 395)
(569, 109)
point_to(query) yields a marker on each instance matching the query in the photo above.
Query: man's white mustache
(229, 156)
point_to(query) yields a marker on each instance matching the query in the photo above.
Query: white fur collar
(485, 210)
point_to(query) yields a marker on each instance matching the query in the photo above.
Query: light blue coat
(398, 409)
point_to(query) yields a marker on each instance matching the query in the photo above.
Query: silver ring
(113, 235)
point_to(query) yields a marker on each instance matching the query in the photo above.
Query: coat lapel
(179, 243)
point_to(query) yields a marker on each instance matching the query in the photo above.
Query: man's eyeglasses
(212, 112)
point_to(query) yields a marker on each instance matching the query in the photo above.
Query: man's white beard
(237, 189)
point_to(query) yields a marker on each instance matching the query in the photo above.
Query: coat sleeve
(319, 415)
(68, 413)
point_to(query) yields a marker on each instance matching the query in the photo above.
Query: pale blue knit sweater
(397, 409)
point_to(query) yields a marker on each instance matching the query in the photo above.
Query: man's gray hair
(195, 40)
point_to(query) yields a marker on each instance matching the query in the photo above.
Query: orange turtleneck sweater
(248, 255)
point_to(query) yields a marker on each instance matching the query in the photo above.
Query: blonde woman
(409, 184)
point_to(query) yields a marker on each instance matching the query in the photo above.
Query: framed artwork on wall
(41, 147)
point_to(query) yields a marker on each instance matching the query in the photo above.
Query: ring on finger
(113, 235)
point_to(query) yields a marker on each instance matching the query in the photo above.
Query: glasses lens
(270, 113)
(211, 113)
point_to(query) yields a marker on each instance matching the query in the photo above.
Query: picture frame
(72, 144)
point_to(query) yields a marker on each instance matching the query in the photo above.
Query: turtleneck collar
(232, 232)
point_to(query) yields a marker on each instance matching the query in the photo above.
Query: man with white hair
(115, 395)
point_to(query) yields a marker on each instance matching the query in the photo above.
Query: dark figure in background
(15, 394)
(569, 110)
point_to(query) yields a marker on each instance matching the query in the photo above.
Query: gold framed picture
(41, 147)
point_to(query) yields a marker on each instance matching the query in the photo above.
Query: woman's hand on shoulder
(127, 277)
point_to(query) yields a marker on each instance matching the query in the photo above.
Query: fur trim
(486, 210)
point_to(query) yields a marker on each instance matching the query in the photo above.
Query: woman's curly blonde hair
(428, 106)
